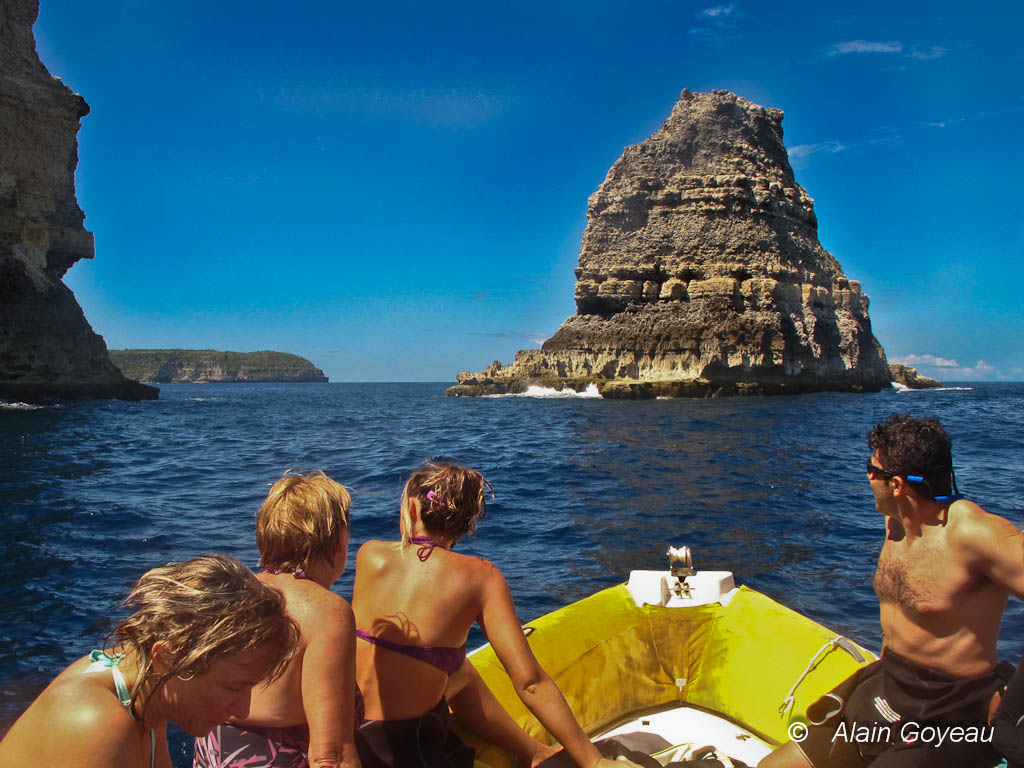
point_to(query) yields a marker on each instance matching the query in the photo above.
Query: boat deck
(686, 728)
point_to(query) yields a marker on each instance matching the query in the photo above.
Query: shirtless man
(944, 575)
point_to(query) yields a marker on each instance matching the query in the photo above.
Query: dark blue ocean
(92, 494)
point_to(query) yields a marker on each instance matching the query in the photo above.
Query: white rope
(787, 703)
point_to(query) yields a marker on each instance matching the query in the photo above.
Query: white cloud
(890, 135)
(803, 150)
(865, 46)
(941, 362)
(948, 369)
(718, 25)
(986, 113)
(712, 37)
(718, 11)
(935, 52)
(978, 372)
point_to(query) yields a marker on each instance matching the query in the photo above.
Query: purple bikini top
(445, 658)
(426, 547)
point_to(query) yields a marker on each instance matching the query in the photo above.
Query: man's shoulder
(967, 518)
(977, 531)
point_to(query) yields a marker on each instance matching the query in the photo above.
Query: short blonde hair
(451, 498)
(301, 521)
(203, 609)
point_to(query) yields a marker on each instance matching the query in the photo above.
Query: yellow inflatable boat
(686, 656)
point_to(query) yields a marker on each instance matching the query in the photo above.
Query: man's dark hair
(910, 446)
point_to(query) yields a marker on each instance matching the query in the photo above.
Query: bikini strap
(103, 660)
(298, 573)
(426, 548)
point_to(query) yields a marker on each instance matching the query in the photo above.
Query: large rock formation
(701, 273)
(908, 376)
(163, 366)
(47, 348)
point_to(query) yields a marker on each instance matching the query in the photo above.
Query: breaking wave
(22, 406)
(535, 391)
(904, 388)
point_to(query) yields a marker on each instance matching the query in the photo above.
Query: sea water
(92, 494)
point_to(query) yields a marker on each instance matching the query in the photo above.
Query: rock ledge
(908, 376)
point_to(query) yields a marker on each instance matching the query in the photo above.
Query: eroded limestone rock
(47, 348)
(701, 273)
(908, 376)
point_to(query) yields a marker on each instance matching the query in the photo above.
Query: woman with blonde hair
(306, 716)
(204, 632)
(414, 602)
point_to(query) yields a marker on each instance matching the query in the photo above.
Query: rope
(836, 642)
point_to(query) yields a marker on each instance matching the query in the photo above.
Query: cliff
(700, 273)
(163, 366)
(47, 347)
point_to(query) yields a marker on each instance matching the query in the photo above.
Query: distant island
(169, 366)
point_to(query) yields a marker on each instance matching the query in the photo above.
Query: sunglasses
(917, 480)
(878, 471)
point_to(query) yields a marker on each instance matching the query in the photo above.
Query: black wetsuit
(1009, 721)
(890, 713)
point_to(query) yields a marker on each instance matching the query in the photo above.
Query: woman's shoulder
(373, 545)
(78, 714)
(470, 574)
(475, 563)
(311, 605)
(375, 553)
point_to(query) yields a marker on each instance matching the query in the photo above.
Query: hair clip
(432, 498)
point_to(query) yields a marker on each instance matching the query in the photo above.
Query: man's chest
(921, 578)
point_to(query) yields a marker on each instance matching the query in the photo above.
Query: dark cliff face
(47, 348)
(700, 271)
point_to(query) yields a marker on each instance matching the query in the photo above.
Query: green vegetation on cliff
(164, 366)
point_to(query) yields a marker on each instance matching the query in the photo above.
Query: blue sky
(398, 192)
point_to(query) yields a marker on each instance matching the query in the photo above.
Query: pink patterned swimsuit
(250, 746)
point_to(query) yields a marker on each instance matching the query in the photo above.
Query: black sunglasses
(873, 470)
(878, 471)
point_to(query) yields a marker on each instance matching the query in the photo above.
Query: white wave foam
(22, 406)
(535, 391)
(904, 388)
